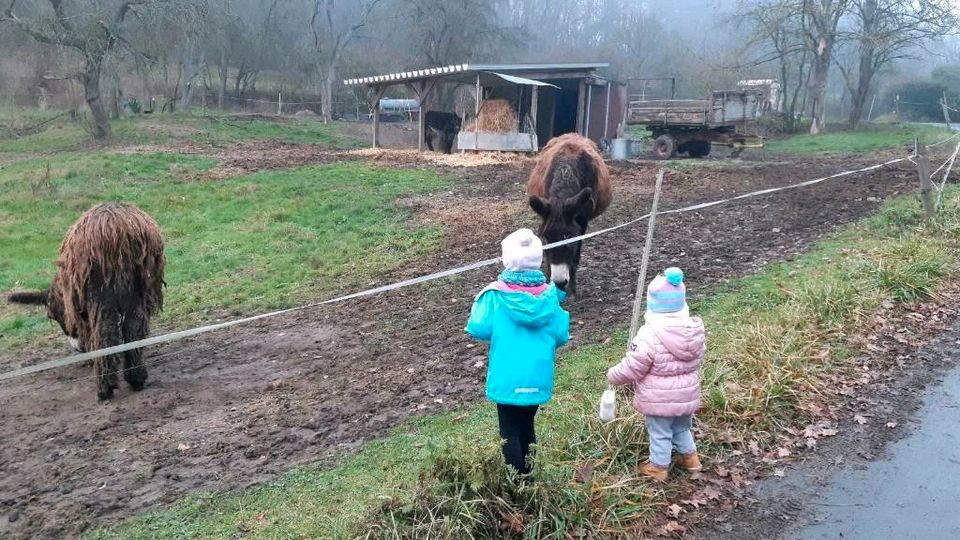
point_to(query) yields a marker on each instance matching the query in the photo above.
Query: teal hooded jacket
(524, 331)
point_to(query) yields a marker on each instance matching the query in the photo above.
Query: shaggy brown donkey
(569, 186)
(109, 283)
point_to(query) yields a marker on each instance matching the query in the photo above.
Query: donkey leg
(106, 334)
(135, 328)
(102, 373)
(573, 271)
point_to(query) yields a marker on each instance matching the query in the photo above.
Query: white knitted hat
(522, 250)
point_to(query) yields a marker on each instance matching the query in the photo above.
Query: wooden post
(926, 185)
(534, 102)
(606, 114)
(586, 113)
(476, 116)
(279, 104)
(640, 296)
(581, 98)
(377, 94)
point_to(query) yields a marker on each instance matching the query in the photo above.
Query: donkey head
(563, 218)
(54, 305)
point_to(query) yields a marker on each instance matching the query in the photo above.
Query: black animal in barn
(444, 127)
(569, 186)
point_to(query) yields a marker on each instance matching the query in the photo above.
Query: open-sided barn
(547, 100)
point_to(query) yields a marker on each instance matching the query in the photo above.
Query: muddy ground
(240, 406)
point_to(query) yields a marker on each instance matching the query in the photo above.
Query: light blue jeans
(667, 432)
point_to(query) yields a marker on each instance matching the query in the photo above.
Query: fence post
(926, 185)
(641, 280)
(279, 104)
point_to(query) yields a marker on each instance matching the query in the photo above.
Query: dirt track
(240, 406)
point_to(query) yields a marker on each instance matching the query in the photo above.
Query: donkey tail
(36, 298)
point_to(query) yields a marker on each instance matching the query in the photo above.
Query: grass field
(215, 128)
(878, 137)
(772, 335)
(230, 243)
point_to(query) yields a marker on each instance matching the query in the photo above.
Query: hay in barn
(496, 115)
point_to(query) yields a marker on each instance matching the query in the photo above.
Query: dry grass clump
(465, 159)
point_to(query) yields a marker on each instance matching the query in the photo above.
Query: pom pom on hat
(674, 276)
(522, 250)
(667, 293)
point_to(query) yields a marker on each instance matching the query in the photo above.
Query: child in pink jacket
(662, 364)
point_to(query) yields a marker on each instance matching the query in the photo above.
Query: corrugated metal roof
(407, 76)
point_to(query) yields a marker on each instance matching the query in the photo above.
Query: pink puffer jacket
(662, 364)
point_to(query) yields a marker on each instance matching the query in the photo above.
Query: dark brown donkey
(568, 187)
(109, 283)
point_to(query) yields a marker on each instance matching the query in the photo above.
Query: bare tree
(778, 30)
(333, 32)
(84, 30)
(885, 31)
(821, 19)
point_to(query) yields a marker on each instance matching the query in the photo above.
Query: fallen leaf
(438, 401)
(737, 480)
(478, 364)
(780, 473)
(754, 447)
(674, 510)
(673, 527)
(860, 419)
(723, 472)
(583, 474)
(891, 424)
(183, 447)
(262, 517)
(694, 502)
(811, 443)
(783, 452)
(711, 493)
(829, 432)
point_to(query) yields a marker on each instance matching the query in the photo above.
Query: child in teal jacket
(520, 315)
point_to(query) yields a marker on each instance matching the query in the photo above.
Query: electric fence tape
(183, 334)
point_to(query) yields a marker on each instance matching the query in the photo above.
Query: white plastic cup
(608, 405)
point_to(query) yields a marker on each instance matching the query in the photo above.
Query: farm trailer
(692, 126)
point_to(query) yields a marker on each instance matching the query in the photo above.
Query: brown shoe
(653, 471)
(690, 462)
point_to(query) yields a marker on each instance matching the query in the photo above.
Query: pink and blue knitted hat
(666, 293)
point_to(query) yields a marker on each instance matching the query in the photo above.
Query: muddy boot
(690, 462)
(653, 471)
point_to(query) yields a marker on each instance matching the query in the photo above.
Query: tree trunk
(326, 96)
(867, 68)
(821, 70)
(222, 68)
(91, 92)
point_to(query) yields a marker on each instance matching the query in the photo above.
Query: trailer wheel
(665, 147)
(698, 149)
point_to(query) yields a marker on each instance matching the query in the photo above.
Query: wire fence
(183, 334)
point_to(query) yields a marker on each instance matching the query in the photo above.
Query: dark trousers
(516, 428)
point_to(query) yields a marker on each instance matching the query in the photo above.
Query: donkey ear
(540, 206)
(37, 298)
(580, 202)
